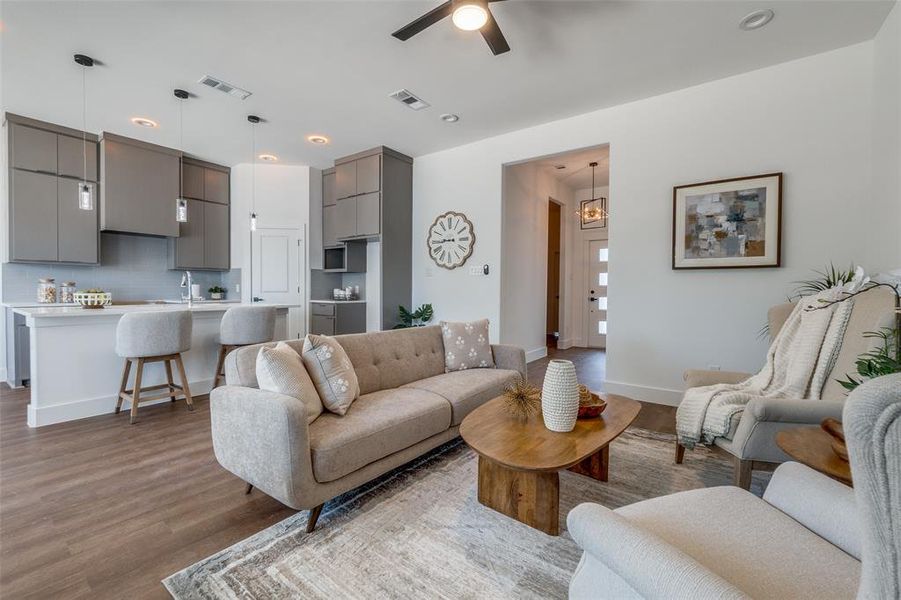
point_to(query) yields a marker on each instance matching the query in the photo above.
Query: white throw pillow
(331, 371)
(466, 346)
(280, 369)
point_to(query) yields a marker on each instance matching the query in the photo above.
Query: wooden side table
(813, 447)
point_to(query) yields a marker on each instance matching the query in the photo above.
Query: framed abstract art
(729, 223)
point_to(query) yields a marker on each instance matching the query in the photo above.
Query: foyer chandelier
(593, 210)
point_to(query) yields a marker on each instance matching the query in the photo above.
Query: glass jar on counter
(67, 292)
(47, 290)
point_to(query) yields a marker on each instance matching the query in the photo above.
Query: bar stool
(243, 326)
(150, 337)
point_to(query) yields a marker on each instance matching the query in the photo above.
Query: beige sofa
(408, 406)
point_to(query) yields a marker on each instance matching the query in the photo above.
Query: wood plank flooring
(98, 508)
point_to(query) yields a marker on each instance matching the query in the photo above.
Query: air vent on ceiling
(407, 97)
(231, 90)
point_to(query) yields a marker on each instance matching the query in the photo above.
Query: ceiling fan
(467, 15)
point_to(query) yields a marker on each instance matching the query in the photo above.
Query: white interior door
(277, 269)
(597, 293)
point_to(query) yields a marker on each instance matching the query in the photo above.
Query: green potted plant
(217, 292)
(418, 318)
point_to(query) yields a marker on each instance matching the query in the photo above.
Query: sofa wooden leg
(743, 473)
(314, 516)
(249, 488)
(680, 453)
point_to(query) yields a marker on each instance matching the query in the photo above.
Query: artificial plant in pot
(417, 318)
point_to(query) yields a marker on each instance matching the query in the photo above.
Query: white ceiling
(576, 173)
(328, 67)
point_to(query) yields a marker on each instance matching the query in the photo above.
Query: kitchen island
(75, 371)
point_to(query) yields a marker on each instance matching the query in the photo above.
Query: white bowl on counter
(93, 299)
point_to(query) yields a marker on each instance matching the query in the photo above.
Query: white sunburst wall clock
(450, 240)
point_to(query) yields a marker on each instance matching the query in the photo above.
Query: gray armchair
(808, 537)
(751, 439)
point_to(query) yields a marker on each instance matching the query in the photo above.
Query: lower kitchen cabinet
(337, 318)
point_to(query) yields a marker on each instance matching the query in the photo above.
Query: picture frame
(587, 211)
(728, 223)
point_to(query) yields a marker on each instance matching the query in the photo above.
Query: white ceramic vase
(560, 396)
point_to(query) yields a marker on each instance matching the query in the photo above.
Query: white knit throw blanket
(797, 365)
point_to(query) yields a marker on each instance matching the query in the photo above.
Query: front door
(597, 293)
(276, 274)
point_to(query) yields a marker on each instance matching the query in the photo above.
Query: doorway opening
(552, 231)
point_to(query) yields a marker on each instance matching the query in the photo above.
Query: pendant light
(85, 188)
(254, 120)
(598, 213)
(181, 205)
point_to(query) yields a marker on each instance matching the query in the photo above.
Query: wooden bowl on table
(592, 406)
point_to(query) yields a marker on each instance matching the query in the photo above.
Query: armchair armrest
(817, 502)
(791, 410)
(701, 378)
(263, 438)
(510, 357)
(650, 566)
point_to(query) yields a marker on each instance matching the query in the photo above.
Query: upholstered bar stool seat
(153, 337)
(243, 326)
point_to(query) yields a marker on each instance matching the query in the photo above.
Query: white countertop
(339, 301)
(51, 311)
(33, 304)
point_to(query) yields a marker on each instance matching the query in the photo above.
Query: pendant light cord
(253, 172)
(84, 125)
(181, 148)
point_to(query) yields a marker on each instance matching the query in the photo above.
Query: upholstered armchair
(808, 537)
(751, 439)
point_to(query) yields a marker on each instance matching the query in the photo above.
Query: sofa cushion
(281, 370)
(375, 426)
(331, 372)
(749, 543)
(466, 346)
(467, 390)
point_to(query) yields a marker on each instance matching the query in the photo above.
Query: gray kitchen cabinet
(368, 174)
(337, 318)
(346, 180)
(187, 248)
(33, 221)
(346, 218)
(32, 149)
(139, 187)
(322, 325)
(329, 226)
(368, 220)
(216, 233)
(78, 236)
(329, 192)
(73, 156)
(192, 181)
(215, 185)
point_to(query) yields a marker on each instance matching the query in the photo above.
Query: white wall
(527, 188)
(282, 200)
(809, 118)
(887, 123)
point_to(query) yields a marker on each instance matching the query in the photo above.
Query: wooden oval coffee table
(520, 459)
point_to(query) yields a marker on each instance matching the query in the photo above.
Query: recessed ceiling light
(450, 118)
(756, 19)
(144, 122)
(268, 157)
(470, 16)
(317, 139)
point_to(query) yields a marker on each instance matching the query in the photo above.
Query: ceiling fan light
(470, 16)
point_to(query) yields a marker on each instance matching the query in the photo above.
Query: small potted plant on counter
(217, 293)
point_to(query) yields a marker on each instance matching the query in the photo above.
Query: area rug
(420, 532)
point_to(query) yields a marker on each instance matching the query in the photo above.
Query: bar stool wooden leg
(169, 380)
(184, 381)
(125, 371)
(223, 350)
(136, 393)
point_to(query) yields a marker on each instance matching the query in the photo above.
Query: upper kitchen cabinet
(191, 181)
(380, 178)
(46, 163)
(139, 185)
(206, 181)
(215, 185)
(204, 240)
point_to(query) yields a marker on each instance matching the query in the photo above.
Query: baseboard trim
(564, 344)
(536, 354)
(644, 393)
(93, 407)
(2, 373)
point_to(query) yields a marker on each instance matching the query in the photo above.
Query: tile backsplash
(134, 267)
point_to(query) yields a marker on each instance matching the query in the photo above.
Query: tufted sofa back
(382, 359)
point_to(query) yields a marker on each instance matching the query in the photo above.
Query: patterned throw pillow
(466, 346)
(331, 372)
(280, 369)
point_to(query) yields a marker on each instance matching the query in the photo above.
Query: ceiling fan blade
(426, 20)
(492, 34)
